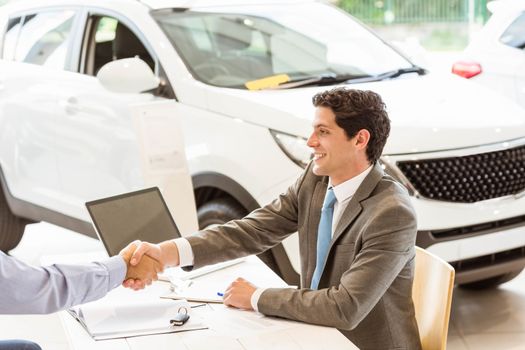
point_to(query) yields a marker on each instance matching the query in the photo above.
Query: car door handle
(70, 105)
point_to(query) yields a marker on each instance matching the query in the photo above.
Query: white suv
(496, 56)
(240, 78)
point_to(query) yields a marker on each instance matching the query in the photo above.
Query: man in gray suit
(356, 226)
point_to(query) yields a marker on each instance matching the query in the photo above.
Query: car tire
(491, 282)
(221, 210)
(11, 226)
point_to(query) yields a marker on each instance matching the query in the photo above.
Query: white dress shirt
(343, 194)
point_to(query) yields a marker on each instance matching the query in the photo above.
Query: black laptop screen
(139, 215)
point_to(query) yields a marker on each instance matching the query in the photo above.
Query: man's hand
(239, 294)
(166, 252)
(144, 248)
(140, 274)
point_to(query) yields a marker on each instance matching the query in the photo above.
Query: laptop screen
(141, 215)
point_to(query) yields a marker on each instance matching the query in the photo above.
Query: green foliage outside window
(414, 11)
(437, 24)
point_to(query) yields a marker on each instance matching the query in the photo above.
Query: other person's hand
(141, 274)
(239, 294)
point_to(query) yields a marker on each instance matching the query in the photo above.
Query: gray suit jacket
(365, 289)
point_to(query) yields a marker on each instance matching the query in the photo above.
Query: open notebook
(122, 314)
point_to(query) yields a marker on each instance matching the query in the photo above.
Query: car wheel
(492, 282)
(11, 226)
(221, 210)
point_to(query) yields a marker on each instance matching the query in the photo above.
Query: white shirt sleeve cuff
(186, 257)
(255, 298)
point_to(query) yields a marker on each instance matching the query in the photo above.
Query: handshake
(144, 262)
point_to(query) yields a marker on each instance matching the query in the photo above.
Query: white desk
(229, 328)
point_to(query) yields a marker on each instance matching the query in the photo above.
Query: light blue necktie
(324, 235)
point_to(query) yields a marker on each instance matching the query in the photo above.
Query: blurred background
(439, 25)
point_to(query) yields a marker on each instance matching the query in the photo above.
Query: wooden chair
(432, 296)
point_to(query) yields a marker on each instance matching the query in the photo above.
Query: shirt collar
(347, 189)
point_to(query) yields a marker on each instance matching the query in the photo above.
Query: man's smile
(319, 155)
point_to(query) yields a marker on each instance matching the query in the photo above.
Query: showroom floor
(480, 320)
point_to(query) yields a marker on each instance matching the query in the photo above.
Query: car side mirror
(130, 75)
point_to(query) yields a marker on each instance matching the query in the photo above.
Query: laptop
(142, 215)
(124, 218)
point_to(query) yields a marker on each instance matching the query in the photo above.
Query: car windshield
(251, 47)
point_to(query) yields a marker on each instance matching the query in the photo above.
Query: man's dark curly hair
(356, 110)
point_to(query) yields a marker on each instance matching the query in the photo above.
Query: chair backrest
(432, 296)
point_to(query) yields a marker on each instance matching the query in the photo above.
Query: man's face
(335, 155)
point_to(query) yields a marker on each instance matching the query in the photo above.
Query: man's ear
(361, 138)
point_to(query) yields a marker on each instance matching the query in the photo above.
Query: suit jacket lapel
(354, 207)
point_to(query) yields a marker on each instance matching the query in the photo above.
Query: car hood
(428, 113)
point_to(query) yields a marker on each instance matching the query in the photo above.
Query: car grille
(470, 178)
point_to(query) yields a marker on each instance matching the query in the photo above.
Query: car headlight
(294, 147)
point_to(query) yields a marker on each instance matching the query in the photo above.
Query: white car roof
(160, 4)
(153, 4)
(24, 5)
